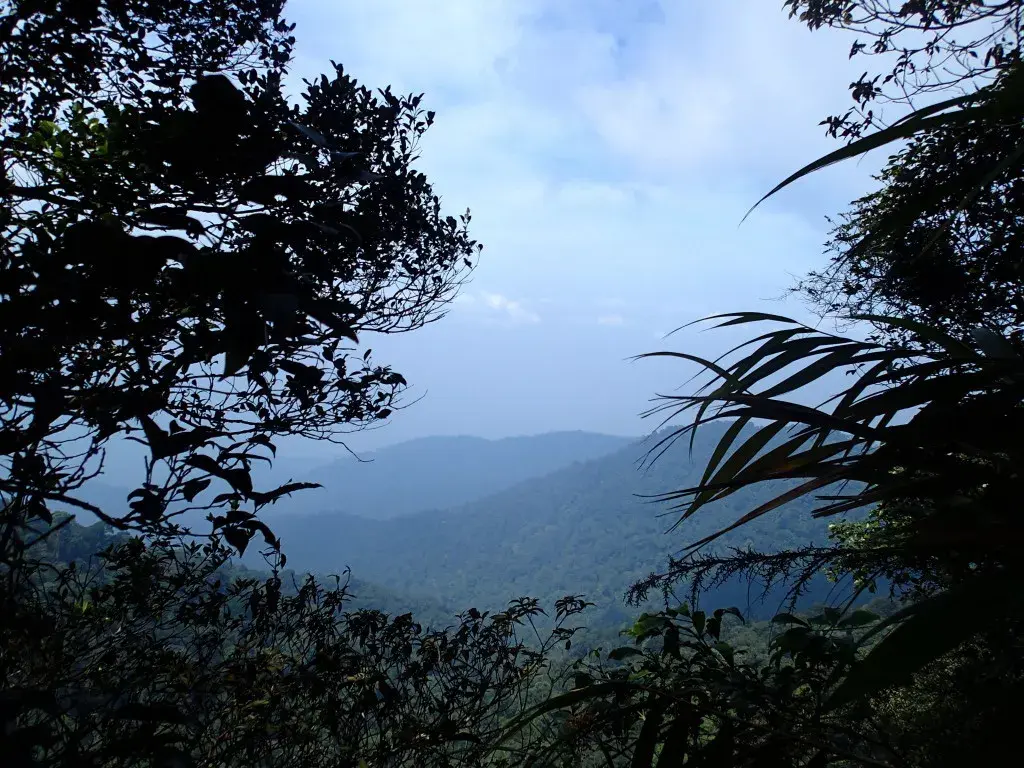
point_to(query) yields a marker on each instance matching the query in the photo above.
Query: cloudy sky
(608, 150)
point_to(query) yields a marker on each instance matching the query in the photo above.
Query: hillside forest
(195, 256)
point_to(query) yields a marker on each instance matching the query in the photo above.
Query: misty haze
(491, 383)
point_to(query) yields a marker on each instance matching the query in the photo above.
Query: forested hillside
(82, 545)
(435, 473)
(583, 529)
(440, 472)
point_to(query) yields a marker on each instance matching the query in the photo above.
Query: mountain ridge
(440, 472)
(578, 529)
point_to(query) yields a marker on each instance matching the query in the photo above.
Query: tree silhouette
(190, 260)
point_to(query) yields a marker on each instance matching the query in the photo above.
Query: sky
(608, 152)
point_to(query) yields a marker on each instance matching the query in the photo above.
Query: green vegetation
(583, 529)
(163, 653)
(207, 297)
(441, 472)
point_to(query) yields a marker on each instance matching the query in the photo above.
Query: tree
(190, 260)
(161, 653)
(919, 440)
(193, 261)
(940, 239)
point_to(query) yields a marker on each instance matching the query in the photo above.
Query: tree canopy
(190, 259)
(939, 239)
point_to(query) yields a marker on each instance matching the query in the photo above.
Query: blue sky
(608, 151)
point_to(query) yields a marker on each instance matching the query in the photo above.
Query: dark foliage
(935, 46)
(921, 435)
(161, 654)
(939, 241)
(190, 259)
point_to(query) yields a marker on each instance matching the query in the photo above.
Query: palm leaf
(922, 120)
(925, 631)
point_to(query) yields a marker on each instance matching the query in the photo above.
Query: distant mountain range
(465, 522)
(578, 529)
(440, 472)
(414, 476)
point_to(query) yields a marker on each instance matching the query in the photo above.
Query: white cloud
(611, 320)
(513, 309)
(606, 149)
(497, 306)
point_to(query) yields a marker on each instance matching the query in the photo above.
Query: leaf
(670, 642)
(40, 510)
(239, 479)
(912, 124)
(793, 640)
(284, 490)
(783, 462)
(194, 487)
(723, 445)
(149, 505)
(771, 359)
(237, 538)
(914, 394)
(742, 318)
(778, 501)
(775, 410)
(858, 618)
(740, 458)
(838, 359)
(994, 345)
(698, 619)
(623, 652)
(940, 106)
(205, 463)
(264, 440)
(732, 611)
(926, 630)
(721, 372)
(315, 136)
(235, 359)
(155, 436)
(726, 650)
(927, 332)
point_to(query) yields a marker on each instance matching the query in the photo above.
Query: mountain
(440, 472)
(81, 544)
(414, 476)
(580, 529)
